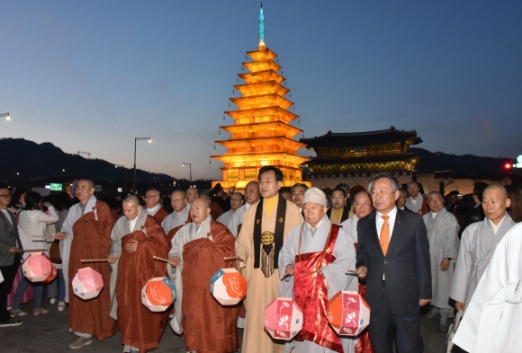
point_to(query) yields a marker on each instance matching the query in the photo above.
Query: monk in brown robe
(136, 238)
(153, 205)
(197, 254)
(86, 233)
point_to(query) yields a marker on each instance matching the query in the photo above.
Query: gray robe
(121, 229)
(476, 248)
(444, 244)
(174, 220)
(350, 227)
(186, 234)
(334, 273)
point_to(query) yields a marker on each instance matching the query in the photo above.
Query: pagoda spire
(261, 28)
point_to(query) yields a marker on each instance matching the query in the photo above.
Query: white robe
(476, 248)
(75, 213)
(493, 320)
(334, 273)
(416, 205)
(174, 220)
(237, 219)
(226, 217)
(350, 227)
(186, 234)
(444, 244)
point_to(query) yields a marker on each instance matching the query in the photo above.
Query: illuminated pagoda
(362, 153)
(262, 134)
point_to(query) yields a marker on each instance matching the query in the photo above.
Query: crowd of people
(404, 249)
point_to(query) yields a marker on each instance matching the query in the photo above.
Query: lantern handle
(30, 250)
(241, 263)
(160, 259)
(85, 261)
(350, 272)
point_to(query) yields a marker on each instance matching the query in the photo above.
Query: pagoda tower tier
(261, 133)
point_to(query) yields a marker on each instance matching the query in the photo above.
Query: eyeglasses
(435, 201)
(362, 204)
(177, 200)
(6, 195)
(151, 196)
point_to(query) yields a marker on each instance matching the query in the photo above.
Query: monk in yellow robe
(270, 220)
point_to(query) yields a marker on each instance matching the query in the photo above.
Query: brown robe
(160, 215)
(208, 326)
(92, 240)
(140, 327)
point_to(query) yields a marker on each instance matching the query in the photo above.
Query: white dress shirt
(391, 221)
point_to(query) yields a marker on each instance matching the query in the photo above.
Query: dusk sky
(92, 75)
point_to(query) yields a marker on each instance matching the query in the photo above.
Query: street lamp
(6, 116)
(135, 140)
(190, 168)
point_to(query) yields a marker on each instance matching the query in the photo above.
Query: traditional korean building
(360, 154)
(261, 134)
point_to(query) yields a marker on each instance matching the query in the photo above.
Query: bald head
(199, 209)
(494, 202)
(152, 198)
(131, 207)
(252, 192)
(178, 200)
(132, 199)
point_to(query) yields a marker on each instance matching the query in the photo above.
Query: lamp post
(122, 166)
(134, 178)
(190, 168)
(6, 116)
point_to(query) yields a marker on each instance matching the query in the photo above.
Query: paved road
(49, 333)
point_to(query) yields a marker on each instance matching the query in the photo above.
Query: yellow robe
(261, 290)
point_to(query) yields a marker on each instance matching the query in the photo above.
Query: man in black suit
(393, 256)
(9, 260)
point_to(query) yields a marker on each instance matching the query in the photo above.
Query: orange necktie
(385, 235)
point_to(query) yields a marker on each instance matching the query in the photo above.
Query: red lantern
(158, 294)
(348, 313)
(37, 267)
(228, 286)
(283, 318)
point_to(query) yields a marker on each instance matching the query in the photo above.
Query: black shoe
(11, 322)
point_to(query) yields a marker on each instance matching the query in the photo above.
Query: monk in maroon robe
(198, 251)
(137, 237)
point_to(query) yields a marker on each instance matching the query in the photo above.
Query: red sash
(311, 293)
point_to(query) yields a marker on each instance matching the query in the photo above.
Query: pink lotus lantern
(53, 274)
(228, 286)
(348, 313)
(87, 283)
(158, 294)
(37, 267)
(283, 318)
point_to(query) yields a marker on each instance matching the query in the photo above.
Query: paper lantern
(348, 313)
(283, 318)
(37, 267)
(158, 294)
(52, 276)
(228, 286)
(87, 283)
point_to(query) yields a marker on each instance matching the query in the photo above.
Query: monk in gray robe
(444, 246)
(319, 239)
(478, 243)
(180, 215)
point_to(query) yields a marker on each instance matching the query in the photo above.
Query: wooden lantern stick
(160, 259)
(31, 250)
(86, 261)
(351, 272)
